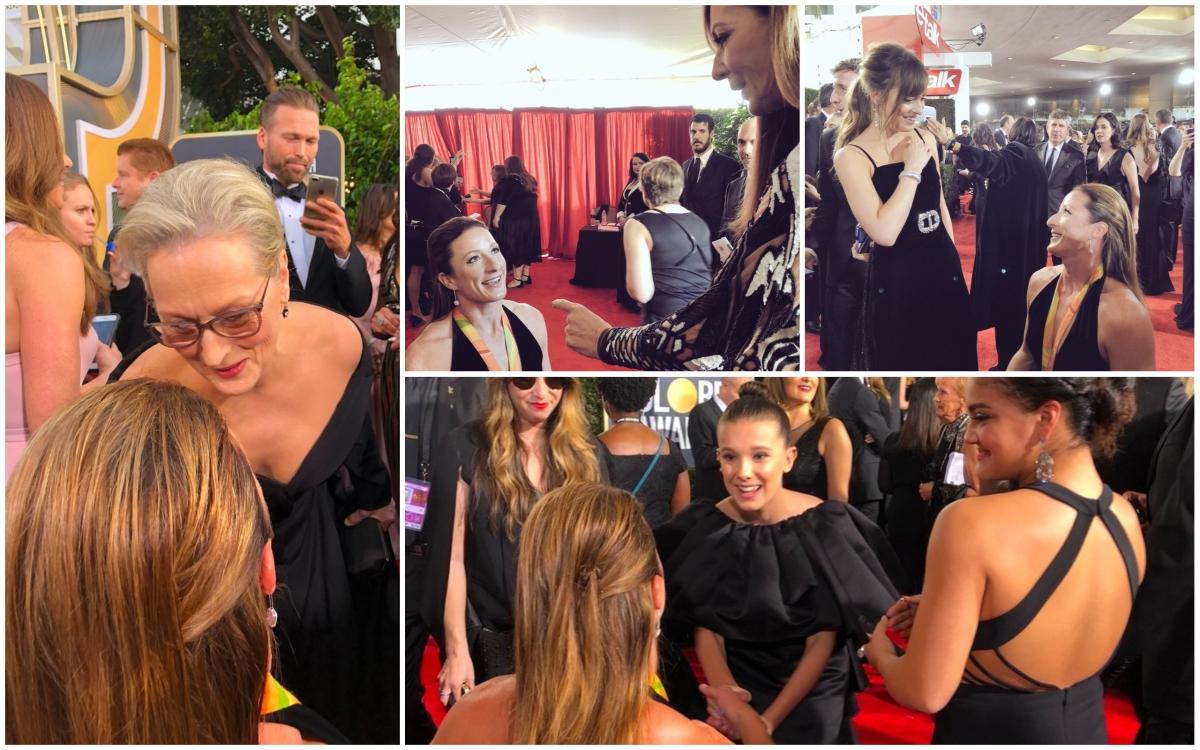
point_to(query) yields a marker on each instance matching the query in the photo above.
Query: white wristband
(914, 175)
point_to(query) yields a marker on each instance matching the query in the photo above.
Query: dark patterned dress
(749, 319)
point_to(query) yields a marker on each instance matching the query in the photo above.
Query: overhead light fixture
(978, 35)
(982, 109)
(1031, 101)
(1105, 89)
(1187, 76)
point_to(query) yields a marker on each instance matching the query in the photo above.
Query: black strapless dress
(808, 470)
(465, 358)
(765, 589)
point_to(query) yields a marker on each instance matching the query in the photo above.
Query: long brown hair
(516, 168)
(1139, 134)
(133, 541)
(777, 392)
(583, 618)
(784, 22)
(922, 428)
(500, 470)
(33, 169)
(1118, 254)
(382, 199)
(887, 66)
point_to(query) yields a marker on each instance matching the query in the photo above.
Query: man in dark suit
(1002, 132)
(1062, 158)
(813, 126)
(851, 401)
(747, 136)
(706, 174)
(709, 486)
(1169, 139)
(324, 265)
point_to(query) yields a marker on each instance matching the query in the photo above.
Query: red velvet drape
(580, 158)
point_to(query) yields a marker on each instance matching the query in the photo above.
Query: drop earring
(1043, 468)
(285, 310)
(272, 615)
(455, 298)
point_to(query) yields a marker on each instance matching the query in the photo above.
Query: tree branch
(333, 29)
(254, 51)
(291, 50)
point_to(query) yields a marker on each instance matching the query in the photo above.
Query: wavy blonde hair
(1138, 134)
(500, 469)
(33, 169)
(584, 619)
(134, 534)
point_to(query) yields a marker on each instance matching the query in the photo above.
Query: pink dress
(16, 433)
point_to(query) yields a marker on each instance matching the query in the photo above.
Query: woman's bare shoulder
(159, 362)
(326, 331)
(431, 349)
(481, 716)
(666, 726)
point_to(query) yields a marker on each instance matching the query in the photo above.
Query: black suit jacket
(812, 133)
(707, 198)
(1067, 173)
(1001, 138)
(344, 290)
(851, 401)
(702, 434)
(1169, 141)
(733, 202)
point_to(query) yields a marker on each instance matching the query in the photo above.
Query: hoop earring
(272, 615)
(1043, 468)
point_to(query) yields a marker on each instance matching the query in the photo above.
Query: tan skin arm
(710, 650)
(926, 677)
(881, 221)
(682, 494)
(817, 649)
(639, 276)
(458, 669)
(1175, 168)
(1126, 332)
(1129, 169)
(835, 448)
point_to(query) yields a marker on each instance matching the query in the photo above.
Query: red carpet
(880, 720)
(1173, 348)
(551, 281)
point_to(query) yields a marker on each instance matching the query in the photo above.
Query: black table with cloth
(600, 263)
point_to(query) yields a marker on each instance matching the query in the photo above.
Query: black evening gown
(520, 231)
(655, 493)
(1110, 174)
(808, 470)
(338, 636)
(916, 312)
(464, 357)
(632, 202)
(1154, 270)
(909, 519)
(765, 589)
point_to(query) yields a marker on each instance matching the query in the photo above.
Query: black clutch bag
(365, 548)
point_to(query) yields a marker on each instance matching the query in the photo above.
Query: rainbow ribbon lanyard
(1052, 340)
(510, 342)
(276, 697)
(656, 685)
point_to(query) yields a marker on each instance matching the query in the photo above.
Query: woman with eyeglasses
(293, 382)
(487, 476)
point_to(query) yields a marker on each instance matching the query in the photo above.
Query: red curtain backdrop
(580, 158)
(655, 132)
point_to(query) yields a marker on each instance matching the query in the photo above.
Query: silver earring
(875, 115)
(455, 298)
(285, 310)
(272, 615)
(1043, 469)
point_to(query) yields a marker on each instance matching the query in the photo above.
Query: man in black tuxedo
(324, 264)
(1169, 140)
(1005, 129)
(851, 401)
(709, 487)
(706, 174)
(1062, 158)
(813, 127)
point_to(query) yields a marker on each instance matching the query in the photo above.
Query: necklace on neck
(633, 420)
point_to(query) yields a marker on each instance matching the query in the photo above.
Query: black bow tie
(295, 192)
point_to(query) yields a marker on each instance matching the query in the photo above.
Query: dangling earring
(1043, 469)
(875, 116)
(285, 310)
(272, 615)
(455, 297)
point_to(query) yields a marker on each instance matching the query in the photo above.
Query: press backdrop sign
(943, 81)
(929, 24)
(670, 409)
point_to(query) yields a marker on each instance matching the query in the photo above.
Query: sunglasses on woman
(524, 384)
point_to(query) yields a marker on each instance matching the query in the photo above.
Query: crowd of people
(1091, 219)
(235, 488)
(700, 309)
(979, 543)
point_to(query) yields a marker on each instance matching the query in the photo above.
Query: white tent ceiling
(558, 56)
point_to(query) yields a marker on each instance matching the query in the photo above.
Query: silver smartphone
(321, 186)
(929, 113)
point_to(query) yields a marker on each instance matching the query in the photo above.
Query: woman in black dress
(917, 313)
(1088, 313)
(905, 464)
(640, 460)
(293, 381)
(1027, 592)
(486, 478)
(749, 319)
(515, 220)
(419, 213)
(985, 138)
(769, 578)
(1183, 167)
(474, 328)
(1153, 266)
(632, 203)
(824, 451)
(1109, 164)
(668, 262)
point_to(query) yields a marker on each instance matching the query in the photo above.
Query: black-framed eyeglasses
(233, 324)
(554, 384)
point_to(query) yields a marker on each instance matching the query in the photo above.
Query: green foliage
(368, 121)
(728, 122)
(593, 404)
(950, 188)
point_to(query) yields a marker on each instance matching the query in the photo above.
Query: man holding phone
(324, 265)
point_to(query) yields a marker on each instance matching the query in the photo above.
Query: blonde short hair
(661, 180)
(203, 198)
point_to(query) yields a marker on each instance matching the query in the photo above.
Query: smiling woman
(474, 328)
(293, 382)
